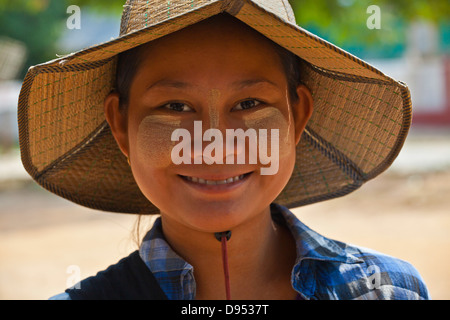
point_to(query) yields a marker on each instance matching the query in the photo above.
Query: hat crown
(139, 14)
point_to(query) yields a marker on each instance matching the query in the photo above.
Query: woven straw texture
(360, 121)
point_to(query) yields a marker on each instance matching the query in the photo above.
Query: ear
(302, 110)
(117, 121)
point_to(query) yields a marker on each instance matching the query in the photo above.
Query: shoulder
(376, 276)
(61, 296)
(129, 279)
(330, 269)
(390, 277)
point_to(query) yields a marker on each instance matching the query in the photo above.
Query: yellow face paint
(214, 97)
(271, 125)
(271, 118)
(154, 139)
(263, 127)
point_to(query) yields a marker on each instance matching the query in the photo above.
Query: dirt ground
(47, 243)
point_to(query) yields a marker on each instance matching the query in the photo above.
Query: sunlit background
(47, 243)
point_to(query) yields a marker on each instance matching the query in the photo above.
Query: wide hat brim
(360, 121)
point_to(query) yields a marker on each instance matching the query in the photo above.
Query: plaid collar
(310, 244)
(176, 277)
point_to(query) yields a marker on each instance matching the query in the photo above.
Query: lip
(216, 188)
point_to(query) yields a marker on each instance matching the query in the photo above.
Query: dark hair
(129, 62)
(127, 65)
(292, 68)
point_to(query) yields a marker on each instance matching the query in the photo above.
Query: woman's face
(215, 75)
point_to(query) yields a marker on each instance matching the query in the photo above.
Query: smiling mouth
(216, 182)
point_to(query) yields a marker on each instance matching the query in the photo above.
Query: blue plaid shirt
(325, 268)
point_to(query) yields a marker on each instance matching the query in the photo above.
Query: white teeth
(215, 182)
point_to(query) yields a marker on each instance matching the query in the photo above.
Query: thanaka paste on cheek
(271, 118)
(272, 122)
(154, 140)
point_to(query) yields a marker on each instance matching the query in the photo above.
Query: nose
(217, 114)
(213, 110)
(213, 125)
(218, 142)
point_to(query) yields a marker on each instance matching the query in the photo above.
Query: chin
(215, 216)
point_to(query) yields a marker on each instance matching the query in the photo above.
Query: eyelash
(257, 104)
(167, 106)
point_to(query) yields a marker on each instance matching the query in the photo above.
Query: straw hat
(360, 121)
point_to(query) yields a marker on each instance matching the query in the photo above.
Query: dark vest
(129, 279)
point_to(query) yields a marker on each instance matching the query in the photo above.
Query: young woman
(219, 116)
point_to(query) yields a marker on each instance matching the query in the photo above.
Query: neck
(260, 256)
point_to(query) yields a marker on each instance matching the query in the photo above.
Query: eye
(178, 106)
(247, 104)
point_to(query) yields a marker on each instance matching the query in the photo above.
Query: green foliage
(100, 6)
(345, 12)
(343, 22)
(38, 26)
(38, 6)
(28, 6)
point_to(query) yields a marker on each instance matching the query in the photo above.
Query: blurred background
(47, 243)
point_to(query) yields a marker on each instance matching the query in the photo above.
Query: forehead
(219, 44)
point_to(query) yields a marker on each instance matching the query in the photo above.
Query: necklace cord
(224, 237)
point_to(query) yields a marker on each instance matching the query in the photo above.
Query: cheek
(272, 119)
(153, 143)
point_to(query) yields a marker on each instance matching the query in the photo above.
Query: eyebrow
(170, 84)
(252, 82)
(239, 85)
